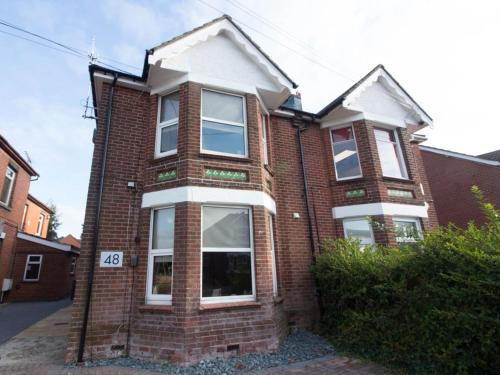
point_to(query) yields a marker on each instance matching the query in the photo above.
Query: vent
(234, 348)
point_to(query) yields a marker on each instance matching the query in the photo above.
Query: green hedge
(429, 309)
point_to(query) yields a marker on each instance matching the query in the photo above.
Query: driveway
(15, 317)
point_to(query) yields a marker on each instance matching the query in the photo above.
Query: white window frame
(72, 266)
(28, 262)
(224, 122)
(399, 152)
(39, 224)
(164, 124)
(12, 181)
(364, 218)
(409, 220)
(158, 299)
(273, 254)
(244, 298)
(263, 118)
(357, 152)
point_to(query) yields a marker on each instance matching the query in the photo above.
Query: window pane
(34, 258)
(226, 227)
(222, 106)
(344, 134)
(389, 159)
(4, 197)
(346, 159)
(168, 138)
(223, 138)
(359, 229)
(384, 135)
(169, 107)
(32, 271)
(406, 231)
(162, 275)
(227, 274)
(163, 228)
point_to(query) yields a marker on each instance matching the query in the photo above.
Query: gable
(220, 55)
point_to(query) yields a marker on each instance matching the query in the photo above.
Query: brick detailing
(450, 181)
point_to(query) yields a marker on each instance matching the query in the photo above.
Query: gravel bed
(297, 347)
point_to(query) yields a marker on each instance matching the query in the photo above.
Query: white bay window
(345, 154)
(359, 229)
(227, 254)
(160, 263)
(223, 124)
(390, 154)
(407, 229)
(168, 124)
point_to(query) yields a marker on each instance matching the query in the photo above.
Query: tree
(54, 223)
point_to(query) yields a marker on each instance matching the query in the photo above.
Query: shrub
(431, 308)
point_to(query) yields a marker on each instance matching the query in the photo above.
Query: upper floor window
(345, 154)
(8, 184)
(223, 128)
(168, 124)
(264, 139)
(389, 151)
(39, 224)
(161, 248)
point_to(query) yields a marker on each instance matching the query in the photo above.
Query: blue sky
(444, 54)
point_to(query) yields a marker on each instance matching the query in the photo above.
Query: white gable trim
(44, 242)
(162, 54)
(202, 194)
(382, 208)
(459, 156)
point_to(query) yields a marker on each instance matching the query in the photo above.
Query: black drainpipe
(300, 129)
(93, 253)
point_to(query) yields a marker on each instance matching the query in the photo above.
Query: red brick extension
(120, 323)
(451, 179)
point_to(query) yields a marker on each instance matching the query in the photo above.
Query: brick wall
(30, 224)
(11, 215)
(55, 280)
(450, 182)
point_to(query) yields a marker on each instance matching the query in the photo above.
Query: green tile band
(399, 193)
(225, 175)
(167, 175)
(355, 193)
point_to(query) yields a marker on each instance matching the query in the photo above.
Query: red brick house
(451, 176)
(211, 190)
(31, 267)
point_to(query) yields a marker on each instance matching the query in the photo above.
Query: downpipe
(90, 278)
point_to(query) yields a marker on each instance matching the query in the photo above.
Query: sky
(446, 54)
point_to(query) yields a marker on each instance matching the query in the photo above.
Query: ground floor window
(407, 229)
(160, 263)
(273, 255)
(227, 254)
(33, 268)
(360, 229)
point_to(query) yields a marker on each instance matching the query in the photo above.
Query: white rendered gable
(378, 98)
(219, 56)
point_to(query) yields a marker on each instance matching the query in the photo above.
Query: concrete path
(15, 317)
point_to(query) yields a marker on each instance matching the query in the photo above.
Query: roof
(228, 18)
(71, 240)
(40, 204)
(48, 243)
(493, 155)
(459, 155)
(339, 100)
(11, 151)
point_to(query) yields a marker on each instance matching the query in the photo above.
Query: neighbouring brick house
(451, 176)
(31, 267)
(211, 190)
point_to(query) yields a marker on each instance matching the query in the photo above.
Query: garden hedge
(432, 308)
